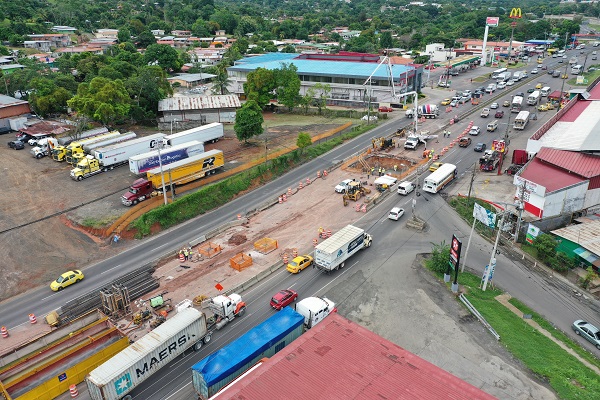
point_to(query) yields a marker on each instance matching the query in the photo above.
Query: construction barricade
(240, 261)
(265, 245)
(209, 249)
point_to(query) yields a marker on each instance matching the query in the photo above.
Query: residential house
(57, 40)
(63, 29)
(190, 80)
(39, 45)
(107, 33)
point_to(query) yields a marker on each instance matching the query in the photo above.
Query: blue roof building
(346, 74)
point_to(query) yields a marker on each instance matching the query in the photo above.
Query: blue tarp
(241, 351)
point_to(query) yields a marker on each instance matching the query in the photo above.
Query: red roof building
(339, 359)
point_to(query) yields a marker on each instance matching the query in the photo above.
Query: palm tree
(220, 83)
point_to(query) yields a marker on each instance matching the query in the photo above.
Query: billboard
(492, 21)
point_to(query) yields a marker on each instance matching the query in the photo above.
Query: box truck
(333, 252)
(177, 173)
(141, 163)
(106, 158)
(220, 368)
(206, 134)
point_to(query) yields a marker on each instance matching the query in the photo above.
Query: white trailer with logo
(123, 372)
(332, 253)
(206, 134)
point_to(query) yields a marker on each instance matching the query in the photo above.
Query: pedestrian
(373, 171)
(383, 171)
(185, 254)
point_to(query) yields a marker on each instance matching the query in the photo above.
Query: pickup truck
(485, 113)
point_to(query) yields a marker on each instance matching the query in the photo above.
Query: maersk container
(141, 163)
(119, 153)
(225, 365)
(206, 134)
(333, 252)
(123, 372)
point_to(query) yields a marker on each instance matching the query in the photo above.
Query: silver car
(587, 331)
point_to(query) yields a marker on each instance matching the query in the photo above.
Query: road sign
(455, 247)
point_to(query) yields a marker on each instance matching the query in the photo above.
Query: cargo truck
(426, 110)
(332, 253)
(44, 147)
(206, 134)
(59, 153)
(141, 163)
(78, 146)
(81, 151)
(189, 328)
(177, 173)
(107, 158)
(220, 368)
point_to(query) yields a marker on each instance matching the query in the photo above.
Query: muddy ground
(43, 208)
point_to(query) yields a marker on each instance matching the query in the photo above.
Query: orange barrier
(73, 391)
(32, 318)
(240, 261)
(209, 249)
(266, 245)
(4, 332)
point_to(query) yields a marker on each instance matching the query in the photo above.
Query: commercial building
(10, 111)
(346, 74)
(183, 112)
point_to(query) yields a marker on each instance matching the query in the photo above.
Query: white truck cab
(314, 310)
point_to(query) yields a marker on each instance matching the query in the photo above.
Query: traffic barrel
(318, 174)
(324, 172)
(73, 391)
(285, 258)
(300, 185)
(4, 332)
(295, 253)
(32, 318)
(308, 181)
(328, 232)
(284, 197)
(357, 207)
(315, 242)
(364, 208)
(280, 200)
(289, 191)
(181, 257)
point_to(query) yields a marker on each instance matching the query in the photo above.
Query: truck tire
(135, 202)
(198, 345)
(241, 312)
(342, 265)
(207, 338)
(79, 177)
(39, 156)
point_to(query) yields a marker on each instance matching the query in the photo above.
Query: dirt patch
(237, 239)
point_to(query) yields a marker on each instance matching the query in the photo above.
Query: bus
(435, 182)
(533, 98)
(498, 72)
(545, 91)
(552, 51)
(576, 69)
(517, 104)
(521, 120)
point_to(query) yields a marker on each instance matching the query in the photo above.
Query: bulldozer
(355, 190)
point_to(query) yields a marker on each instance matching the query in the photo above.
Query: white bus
(521, 120)
(576, 69)
(545, 91)
(498, 72)
(440, 178)
(517, 103)
(533, 98)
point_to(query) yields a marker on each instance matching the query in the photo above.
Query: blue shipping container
(225, 365)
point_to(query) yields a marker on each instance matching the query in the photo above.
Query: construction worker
(185, 254)
(372, 170)
(383, 171)
(395, 168)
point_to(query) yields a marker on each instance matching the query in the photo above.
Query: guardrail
(476, 313)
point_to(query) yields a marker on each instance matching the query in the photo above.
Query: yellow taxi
(543, 107)
(299, 263)
(550, 106)
(540, 60)
(66, 279)
(539, 86)
(445, 102)
(564, 76)
(435, 166)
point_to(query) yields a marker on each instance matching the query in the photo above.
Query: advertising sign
(484, 216)
(455, 247)
(532, 232)
(492, 21)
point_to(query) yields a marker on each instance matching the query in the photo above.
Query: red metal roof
(549, 176)
(583, 164)
(595, 93)
(338, 359)
(575, 111)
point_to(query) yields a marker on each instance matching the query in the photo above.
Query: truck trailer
(68, 137)
(107, 158)
(217, 370)
(132, 366)
(332, 253)
(206, 134)
(59, 153)
(177, 173)
(141, 163)
(78, 147)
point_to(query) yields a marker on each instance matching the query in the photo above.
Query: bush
(440, 256)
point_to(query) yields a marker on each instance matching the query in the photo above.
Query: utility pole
(471, 186)
(562, 88)
(520, 208)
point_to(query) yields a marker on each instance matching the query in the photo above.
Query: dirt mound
(237, 239)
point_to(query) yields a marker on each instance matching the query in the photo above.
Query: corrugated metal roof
(199, 103)
(584, 164)
(338, 359)
(587, 235)
(7, 101)
(549, 176)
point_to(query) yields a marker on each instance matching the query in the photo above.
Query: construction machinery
(355, 190)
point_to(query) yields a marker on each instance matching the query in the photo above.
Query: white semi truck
(314, 310)
(332, 253)
(206, 134)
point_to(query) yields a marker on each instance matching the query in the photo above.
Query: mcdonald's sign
(515, 13)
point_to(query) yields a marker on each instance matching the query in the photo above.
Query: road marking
(108, 270)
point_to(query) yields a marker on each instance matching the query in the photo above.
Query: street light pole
(562, 88)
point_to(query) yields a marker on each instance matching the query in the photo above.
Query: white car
(405, 188)
(475, 130)
(493, 106)
(534, 71)
(510, 82)
(343, 186)
(501, 85)
(366, 118)
(396, 213)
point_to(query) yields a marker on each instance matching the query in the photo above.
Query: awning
(586, 255)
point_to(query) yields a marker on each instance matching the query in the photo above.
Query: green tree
(226, 20)
(146, 89)
(221, 82)
(4, 51)
(163, 55)
(145, 39)
(288, 49)
(385, 41)
(440, 255)
(102, 100)
(259, 86)
(304, 140)
(322, 92)
(545, 245)
(248, 121)
(307, 99)
(287, 85)
(124, 35)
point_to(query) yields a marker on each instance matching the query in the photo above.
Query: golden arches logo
(515, 13)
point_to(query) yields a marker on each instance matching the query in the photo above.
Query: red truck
(520, 157)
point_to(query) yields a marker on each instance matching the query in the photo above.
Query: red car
(499, 114)
(385, 109)
(283, 298)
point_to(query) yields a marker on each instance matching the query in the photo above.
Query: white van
(405, 188)
(491, 88)
(492, 126)
(314, 310)
(545, 91)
